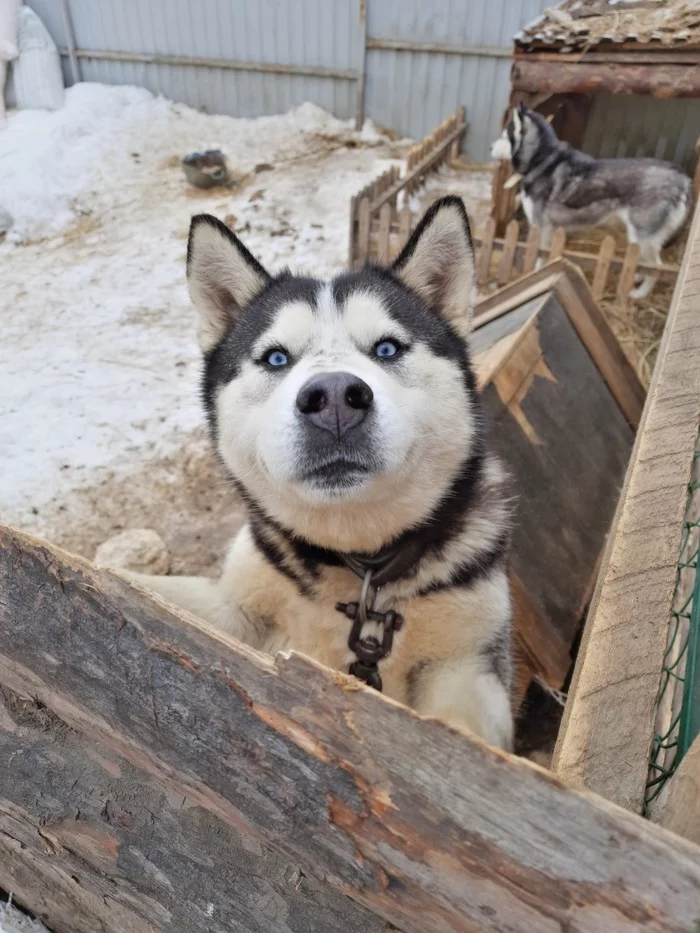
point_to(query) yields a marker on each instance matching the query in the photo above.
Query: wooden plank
(531, 249)
(363, 230)
(352, 250)
(484, 260)
(550, 408)
(505, 267)
(94, 843)
(385, 217)
(556, 250)
(362, 66)
(425, 826)
(627, 275)
(609, 720)
(600, 277)
(680, 811)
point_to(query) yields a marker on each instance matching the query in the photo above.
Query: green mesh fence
(677, 710)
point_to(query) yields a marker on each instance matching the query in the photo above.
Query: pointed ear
(521, 109)
(438, 263)
(223, 277)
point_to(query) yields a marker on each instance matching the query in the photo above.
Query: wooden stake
(506, 265)
(600, 276)
(405, 224)
(385, 216)
(556, 250)
(484, 261)
(363, 232)
(531, 250)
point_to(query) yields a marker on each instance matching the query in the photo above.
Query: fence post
(600, 276)
(361, 68)
(70, 42)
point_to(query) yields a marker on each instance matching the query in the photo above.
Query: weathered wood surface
(551, 412)
(425, 827)
(607, 729)
(680, 811)
(605, 77)
(93, 843)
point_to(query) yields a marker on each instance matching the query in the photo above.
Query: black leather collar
(388, 565)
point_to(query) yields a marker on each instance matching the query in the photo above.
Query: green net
(678, 714)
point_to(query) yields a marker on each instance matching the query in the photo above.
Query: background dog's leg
(648, 252)
(546, 234)
(466, 694)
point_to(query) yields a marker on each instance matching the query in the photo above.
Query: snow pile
(54, 165)
(99, 368)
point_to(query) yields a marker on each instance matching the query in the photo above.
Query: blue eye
(386, 349)
(276, 358)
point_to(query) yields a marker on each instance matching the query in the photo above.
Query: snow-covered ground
(98, 362)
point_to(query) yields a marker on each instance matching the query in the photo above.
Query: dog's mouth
(338, 474)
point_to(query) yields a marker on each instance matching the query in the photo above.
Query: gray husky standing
(562, 187)
(347, 416)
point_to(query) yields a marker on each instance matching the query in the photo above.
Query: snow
(13, 921)
(99, 368)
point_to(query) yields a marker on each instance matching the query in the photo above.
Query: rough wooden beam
(680, 810)
(663, 81)
(426, 827)
(92, 843)
(608, 723)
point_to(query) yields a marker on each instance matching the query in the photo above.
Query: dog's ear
(223, 277)
(437, 263)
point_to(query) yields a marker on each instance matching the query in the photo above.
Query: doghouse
(617, 78)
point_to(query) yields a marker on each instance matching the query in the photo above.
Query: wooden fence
(375, 220)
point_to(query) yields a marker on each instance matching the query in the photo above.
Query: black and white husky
(346, 413)
(562, 187)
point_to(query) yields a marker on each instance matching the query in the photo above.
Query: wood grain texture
(104, 845)
(680, 811)
(426, 827)
(608, 723)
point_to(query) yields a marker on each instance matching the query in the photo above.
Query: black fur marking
(276, 558)
(474, 570)
(223, 362)
(498, 656)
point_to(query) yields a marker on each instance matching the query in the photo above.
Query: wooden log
(484, 260)
(621, 657)
(363, 230)
(531, 250)
(600, 276)
(627, 273)
(696, 176)
(681, 807)
(424, 826)
(556, 250)
(606, 77)
(94, 843)
(385, 218)
(505, 267)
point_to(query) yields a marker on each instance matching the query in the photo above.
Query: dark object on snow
(206, 169)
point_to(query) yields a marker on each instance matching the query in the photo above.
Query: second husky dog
(562, 187)
(346, 414)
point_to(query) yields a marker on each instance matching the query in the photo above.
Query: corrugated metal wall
(414, 91)
(409, 91)
(634, 126)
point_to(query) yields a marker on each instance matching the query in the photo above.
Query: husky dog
(562, 187)
(346, 414)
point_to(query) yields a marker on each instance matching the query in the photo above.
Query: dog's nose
(335, 402)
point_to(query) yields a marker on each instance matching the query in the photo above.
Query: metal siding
(413, 91)
(643, 126)
(297, 32)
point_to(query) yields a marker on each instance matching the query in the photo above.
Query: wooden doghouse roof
(647, 47)
(584, 24)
